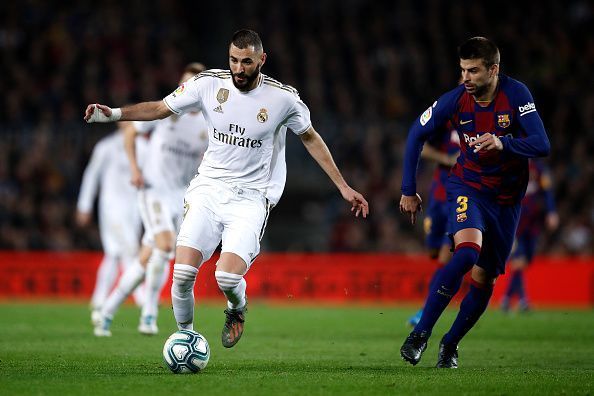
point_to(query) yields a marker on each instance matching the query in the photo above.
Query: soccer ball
(186, 351)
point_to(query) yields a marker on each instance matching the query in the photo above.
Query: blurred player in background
(108, 174)
(176, 148)
(443, 149)
(242, 175)
(499, 130)
(538, 211)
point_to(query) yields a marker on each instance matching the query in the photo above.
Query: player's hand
(137, 179)
(552, 221)
(82, 219)
(411, 204)
(358, 202)
(486, 142)
(101, 113)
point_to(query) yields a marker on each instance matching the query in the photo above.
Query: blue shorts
(525, 246)
(469, 208)
(436, 224)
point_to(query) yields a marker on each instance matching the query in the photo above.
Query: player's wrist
(116, 114)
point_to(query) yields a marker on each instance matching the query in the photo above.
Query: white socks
(233, 285)
(154, 274)
(106, 276)
(128, 282)
(182, 295)
(138, 294)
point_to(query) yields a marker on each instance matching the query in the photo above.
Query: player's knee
(227, 281)
(481, 279)
(232, 263)
(164, 241)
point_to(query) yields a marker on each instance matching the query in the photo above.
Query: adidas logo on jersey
(218, 109)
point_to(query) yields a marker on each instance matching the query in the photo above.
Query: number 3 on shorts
(463, 202)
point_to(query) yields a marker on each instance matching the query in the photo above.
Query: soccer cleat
(414, 346)
(415, 319)
(102, 328)
(96, 317)
(233, 328)
(148, 325)
(523, 306)
(447, 356)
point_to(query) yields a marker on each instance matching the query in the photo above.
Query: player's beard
(480, 90)
(249, 79)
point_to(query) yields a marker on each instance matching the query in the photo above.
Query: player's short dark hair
(194, 68)
(245, 38)
(480, 48)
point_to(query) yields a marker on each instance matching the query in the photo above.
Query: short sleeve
(299, 119)
(186, 97)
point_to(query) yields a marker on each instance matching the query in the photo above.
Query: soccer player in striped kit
(538, 213)
(499, 129)
(242, 175)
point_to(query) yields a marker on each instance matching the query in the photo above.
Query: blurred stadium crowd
(365, 69)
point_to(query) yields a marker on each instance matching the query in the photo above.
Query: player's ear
(494, 70)
(263, 59)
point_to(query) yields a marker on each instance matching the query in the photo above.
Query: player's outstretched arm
(145, 111)
(317, 148)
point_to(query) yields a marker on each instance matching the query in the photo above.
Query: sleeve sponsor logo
(426, 116)
(527, 108)
(179, 90)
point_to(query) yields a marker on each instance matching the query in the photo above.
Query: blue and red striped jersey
(511, 115)
(539, 199)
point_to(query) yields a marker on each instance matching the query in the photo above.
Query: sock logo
(444, 291)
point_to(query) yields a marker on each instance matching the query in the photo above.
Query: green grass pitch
(49, 349)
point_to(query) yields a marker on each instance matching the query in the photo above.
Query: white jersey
(108, 173)
(176, 147)
(110, 169)
(246, 130)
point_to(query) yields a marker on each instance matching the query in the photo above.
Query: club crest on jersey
(222, 97)
(503, 120)
(262, 116)
(461, 217)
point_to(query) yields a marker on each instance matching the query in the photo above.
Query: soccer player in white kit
(241, 176)
(108, 175)
(175, 149)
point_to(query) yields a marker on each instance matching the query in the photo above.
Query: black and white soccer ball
(186, 351)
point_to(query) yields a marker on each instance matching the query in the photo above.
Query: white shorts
(120, 229)
(160, 212)
(216, 211)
